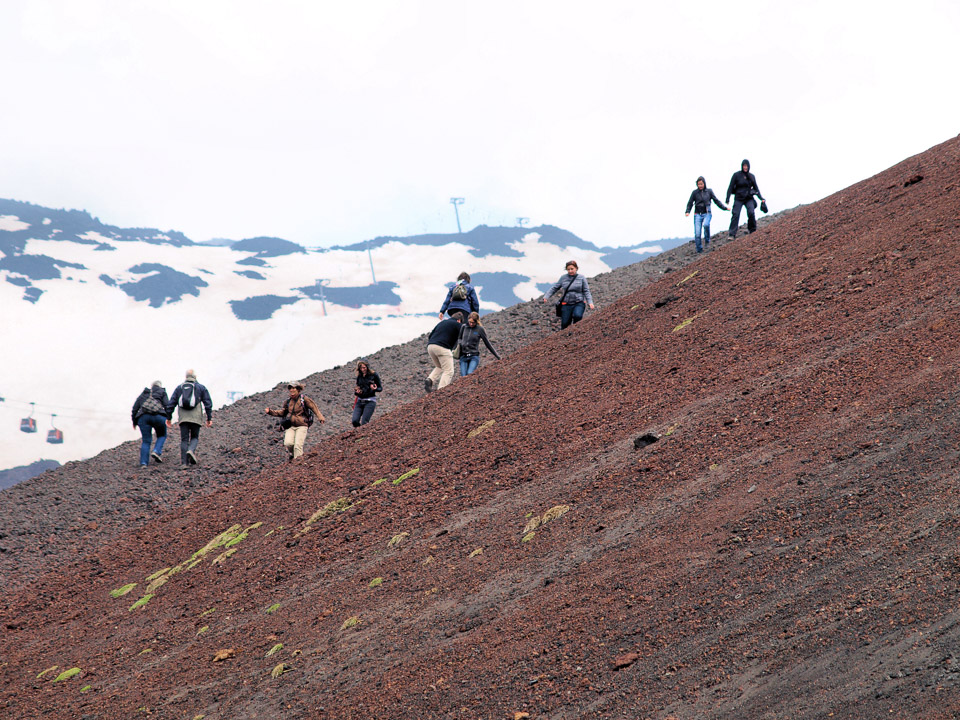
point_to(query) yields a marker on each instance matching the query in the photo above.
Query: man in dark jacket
(443, 339)
(743, 186)
(700, 202)
(191, 399)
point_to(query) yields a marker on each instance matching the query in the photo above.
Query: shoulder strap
(568, 287)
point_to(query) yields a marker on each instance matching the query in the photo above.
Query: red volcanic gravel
(730, 493)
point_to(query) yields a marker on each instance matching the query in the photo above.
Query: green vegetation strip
(141, 602)
(408, 474)
(121, 591)
(67, 674)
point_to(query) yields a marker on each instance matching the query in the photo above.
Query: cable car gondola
(54, 436)
(29, 423)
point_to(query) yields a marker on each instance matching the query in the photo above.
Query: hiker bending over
(576, 295)
(461, 297)
(368, 385)
(743, 186)
(700, 203)
(297, 412)
(191, 399)
(471, 333)
(443, 339)
(150, 414)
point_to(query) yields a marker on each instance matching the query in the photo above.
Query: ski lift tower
(321, 284)
(455, 202)
(521, 221)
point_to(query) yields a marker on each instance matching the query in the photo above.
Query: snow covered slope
(93, 313)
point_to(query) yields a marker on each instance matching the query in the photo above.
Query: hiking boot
(191, 458)
(428, 385)
(156, 457)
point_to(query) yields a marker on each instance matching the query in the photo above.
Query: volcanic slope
(736, 503)
(67, 512)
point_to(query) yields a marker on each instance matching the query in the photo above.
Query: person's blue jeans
(571, 313)
(147, 424)
(701, 220)
(363, 411)
(468, 364)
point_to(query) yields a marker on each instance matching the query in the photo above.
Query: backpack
(188, 396)
(152, 406)
(460, 291)
(307, 413)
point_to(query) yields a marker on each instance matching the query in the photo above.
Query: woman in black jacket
(368, 385)
(471, 333)
(150, 415)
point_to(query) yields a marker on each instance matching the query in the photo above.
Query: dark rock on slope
(786, 548)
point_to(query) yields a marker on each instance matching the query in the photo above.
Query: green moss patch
(407, 475)
(478, 551)
(121, 591)
(86, 688)
(141, 602)
(145, 651)
(397, 539)
(483, 426)
(381, 481)
(236, 540)
(202, 630)
(272, 609)
(278, 671)
(376, 582)
(67, 674)
(331, 508)
(689, 320)
(350, 622)
(274, 650)
(48, 670)
(157, 574)
(211, 611)
(528, 537)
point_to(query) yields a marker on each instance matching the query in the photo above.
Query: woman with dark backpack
(368, 385)
(461, 297)
(192, 400)
(576, 295)
(150, 415)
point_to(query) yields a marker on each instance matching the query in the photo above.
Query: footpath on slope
(65, 513)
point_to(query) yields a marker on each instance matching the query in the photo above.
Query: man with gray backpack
(191, 399)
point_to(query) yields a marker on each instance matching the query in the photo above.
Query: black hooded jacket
(700, 199)
(743, 185)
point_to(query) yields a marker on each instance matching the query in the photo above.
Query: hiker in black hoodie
(700, 202)
(743, 186)
(368, 385)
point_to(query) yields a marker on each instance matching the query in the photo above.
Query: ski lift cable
(87, 412)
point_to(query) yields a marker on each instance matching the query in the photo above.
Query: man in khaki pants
(297, 413)
(443, 339)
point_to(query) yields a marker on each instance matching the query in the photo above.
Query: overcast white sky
(333, 122)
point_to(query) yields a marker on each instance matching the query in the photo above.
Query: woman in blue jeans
(575, 298)
(368, 385)
(149, 414)
(471, 333)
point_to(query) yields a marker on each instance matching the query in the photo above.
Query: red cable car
(29, 424)
(54, 436)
